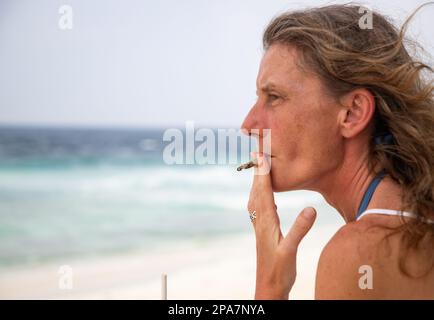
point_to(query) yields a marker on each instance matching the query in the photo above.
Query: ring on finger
(252, 215)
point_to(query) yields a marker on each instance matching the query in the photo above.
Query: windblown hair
(346, 57)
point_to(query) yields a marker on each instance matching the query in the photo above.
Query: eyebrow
(269, 86)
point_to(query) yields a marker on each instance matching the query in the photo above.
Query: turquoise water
(78, 193)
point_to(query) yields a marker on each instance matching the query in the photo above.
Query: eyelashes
(269, 98)
(272, 98)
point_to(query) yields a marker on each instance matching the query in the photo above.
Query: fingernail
(309, 212)
(260, 159)
(267, 158)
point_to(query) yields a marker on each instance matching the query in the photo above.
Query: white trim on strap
(391, 213)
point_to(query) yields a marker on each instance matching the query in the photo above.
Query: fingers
(251, 206)
(301, 227)
(262, 184)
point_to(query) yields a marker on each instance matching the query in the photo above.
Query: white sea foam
(46, 213)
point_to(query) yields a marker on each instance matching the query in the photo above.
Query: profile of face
(306, 138)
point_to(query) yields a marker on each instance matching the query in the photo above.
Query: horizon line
(107, 126)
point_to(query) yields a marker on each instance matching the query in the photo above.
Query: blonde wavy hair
(346, 57)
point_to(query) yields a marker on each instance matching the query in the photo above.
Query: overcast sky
(143, 63)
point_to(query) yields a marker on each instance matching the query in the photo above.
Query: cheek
(306, 144)
(287, 134)
(283, 130)
(320, 143)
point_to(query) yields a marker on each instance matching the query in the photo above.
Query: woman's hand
(275, 254)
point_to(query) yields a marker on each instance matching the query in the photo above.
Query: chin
(281, 180)
(278, 185)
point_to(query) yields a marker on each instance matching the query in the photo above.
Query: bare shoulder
(347, 262)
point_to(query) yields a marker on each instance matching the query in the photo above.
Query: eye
(272, 97)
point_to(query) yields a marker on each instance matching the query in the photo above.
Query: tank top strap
(369, 192)
(393, 213)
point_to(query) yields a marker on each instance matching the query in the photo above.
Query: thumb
(301, 226)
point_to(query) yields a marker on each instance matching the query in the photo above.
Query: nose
(250, 121)
(256, 125)
(251, 125)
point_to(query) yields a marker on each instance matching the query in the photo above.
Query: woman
(351, 115)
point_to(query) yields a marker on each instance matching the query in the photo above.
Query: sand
(222, 268)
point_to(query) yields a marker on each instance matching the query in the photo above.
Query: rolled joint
(247, 165)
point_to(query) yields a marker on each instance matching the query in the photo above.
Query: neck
(349, 184)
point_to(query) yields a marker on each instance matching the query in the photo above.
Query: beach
(91, 214)
(223, 268)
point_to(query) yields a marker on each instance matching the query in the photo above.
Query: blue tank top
(369, 192)
(368, 195)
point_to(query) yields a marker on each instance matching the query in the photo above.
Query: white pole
(164, 286)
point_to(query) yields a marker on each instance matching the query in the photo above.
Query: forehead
(279, 66)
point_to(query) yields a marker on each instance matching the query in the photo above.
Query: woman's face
(305, 139)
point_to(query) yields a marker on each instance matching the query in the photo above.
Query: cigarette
(247, 165)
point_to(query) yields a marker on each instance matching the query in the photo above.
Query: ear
(359, 108)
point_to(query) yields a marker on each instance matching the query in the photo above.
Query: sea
(89, 192)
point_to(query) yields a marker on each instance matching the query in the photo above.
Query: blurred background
(87, 90)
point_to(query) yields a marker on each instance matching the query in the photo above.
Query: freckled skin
(305, 142)
(320, 144)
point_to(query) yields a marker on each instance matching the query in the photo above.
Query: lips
(267, 155)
